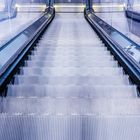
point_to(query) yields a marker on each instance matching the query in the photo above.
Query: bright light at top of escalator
(69, 5)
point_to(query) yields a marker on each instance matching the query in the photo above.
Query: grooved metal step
(71, 80)
(71, 71)
(71, 63)
(73, 91)
(68, 106)
(68, 58)
(75, 55)
(74, 127)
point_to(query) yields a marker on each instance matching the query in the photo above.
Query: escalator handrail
(8, 68)
(131, 66)
(20, 32)
(114, 42)
(128, 39)
(132, 14)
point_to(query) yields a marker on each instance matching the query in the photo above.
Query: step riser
(75, 46)
(70, 42)
(98, 46)
(67, 71)
(74, 91)
(69, 128)
(72, 64)
(70, 106)
(72, 80)
(65, 53)
(70, 58)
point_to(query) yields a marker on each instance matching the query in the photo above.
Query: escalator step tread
(67, 106)
(42, 127)
(71, 71)
(64, 80)
(73, 91)
(71, 63)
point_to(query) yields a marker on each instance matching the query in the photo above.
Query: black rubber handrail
(128, 63)
(133, 14)
(11, 66)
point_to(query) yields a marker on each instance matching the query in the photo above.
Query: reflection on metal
(130, 47)
(18, 46)
(133, 50)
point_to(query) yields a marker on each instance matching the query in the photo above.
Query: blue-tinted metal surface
(125, 50)
(133, 14)
(12, 50)
(128, 45)
(3, 16)
(8, 15)
(119, 21)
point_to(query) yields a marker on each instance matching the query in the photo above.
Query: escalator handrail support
(132, 14)
(129, 65)
(9, 69)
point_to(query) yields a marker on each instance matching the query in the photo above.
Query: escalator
(70, 88)
(63, 57)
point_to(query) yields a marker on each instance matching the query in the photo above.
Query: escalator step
(71, 71)
(71, 63)
(70, 58)
(62, 80)
(73, 91)
(90, 127)
(75, 53)
(68, 106)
